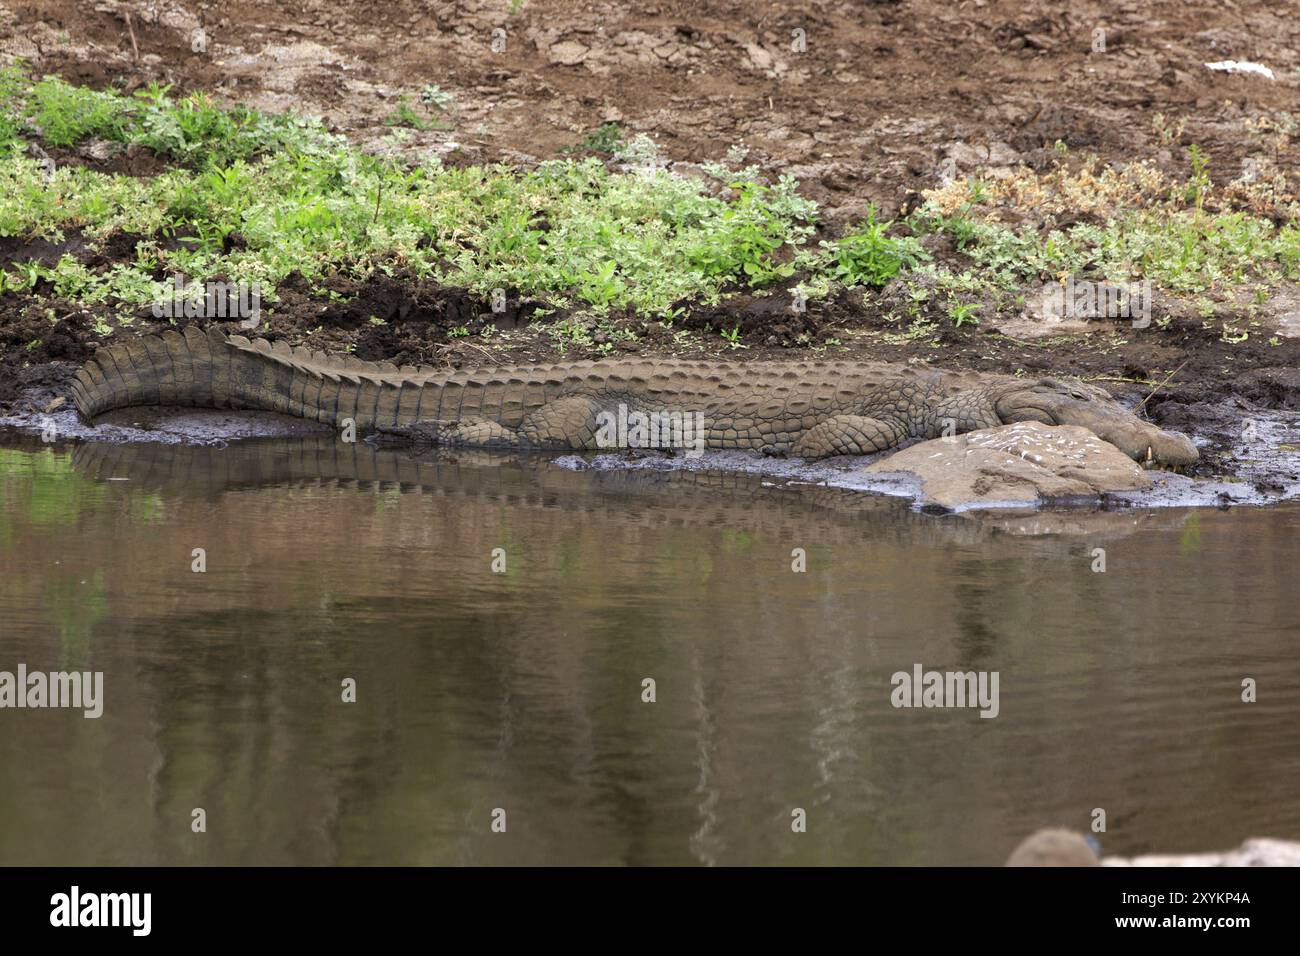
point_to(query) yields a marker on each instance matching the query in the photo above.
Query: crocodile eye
(1077, 393)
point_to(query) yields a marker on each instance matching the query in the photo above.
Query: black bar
(482, 906)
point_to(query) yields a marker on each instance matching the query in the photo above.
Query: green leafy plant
(963, 312)
(191, 130)
(604, 139)
(404, 115)
(1199, 183)
(868, 256)
(66, 113)
(601, 286)
(733, 338)
(435, 97)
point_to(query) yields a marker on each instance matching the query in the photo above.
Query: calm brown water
(523, 690)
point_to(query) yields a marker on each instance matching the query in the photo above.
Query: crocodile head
(1054, 402)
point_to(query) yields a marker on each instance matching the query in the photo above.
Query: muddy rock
(970, 157)
(1015, 464)
(568, 53)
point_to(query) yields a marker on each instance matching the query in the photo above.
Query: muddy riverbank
(1239, 402)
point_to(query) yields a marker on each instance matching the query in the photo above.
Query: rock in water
(1024, 463)
(1053, 848)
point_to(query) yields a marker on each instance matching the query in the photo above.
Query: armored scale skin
(805, 409)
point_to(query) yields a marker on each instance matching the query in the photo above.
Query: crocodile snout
(1060, 403)
(1146, 443)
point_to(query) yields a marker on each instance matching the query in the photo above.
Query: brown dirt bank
(863, 101)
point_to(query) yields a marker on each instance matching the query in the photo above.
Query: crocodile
(803, 409)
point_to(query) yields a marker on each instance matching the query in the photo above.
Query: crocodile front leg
(848, 435)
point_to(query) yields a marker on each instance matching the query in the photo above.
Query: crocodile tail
(175, 368)
(208, 369)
